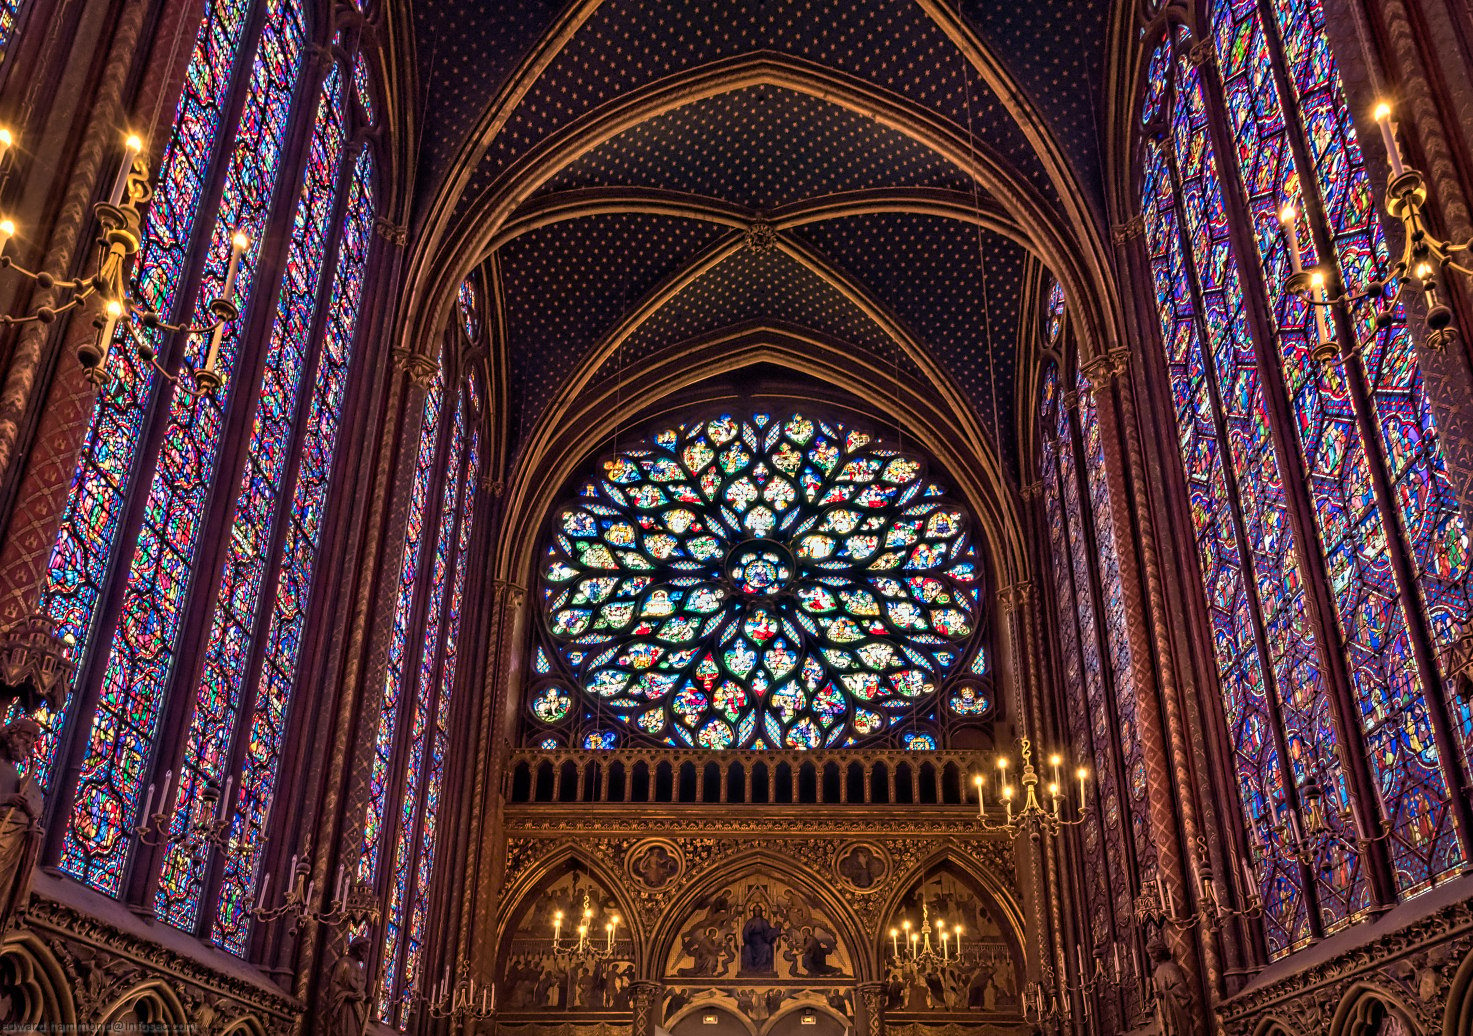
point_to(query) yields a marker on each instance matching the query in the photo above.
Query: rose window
(758, 583)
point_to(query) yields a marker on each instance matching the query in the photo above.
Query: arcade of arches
(755, 517)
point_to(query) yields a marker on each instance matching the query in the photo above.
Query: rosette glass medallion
(758, 582)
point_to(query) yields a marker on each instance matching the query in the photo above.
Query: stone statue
(20, 819)
(347, 992)
(757, 940)
(1173, 991)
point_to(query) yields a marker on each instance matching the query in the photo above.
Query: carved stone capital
(1031, 490)
(420, 368)
(394, 233)
(1129, 230)
(1102, 370)
(872, 1000)
(1016, 595)
(1203, 52)
(644, 1001)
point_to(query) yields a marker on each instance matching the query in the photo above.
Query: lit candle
(1290, 219)
(112, 312)
(7, 141)
(1007, 800)
(914, 948)
(7, 231)
(958, 942)
(265, 883)
(1083, 775)
(131, 148)
(557, 927)
(895, 942)
(1321, 310)
(609, 931)
(238, 244)
(981, 809)
(1388, 137)
(1055, 761)
(1053, 790)
(945, 946)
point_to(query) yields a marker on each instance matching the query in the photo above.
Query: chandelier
(110, 293)
(586, 947)
(1424, 257)
(1032, 816)
(917, 950)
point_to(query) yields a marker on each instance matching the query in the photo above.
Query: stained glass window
(470, 313)
(756, 581)
(161, 451)
(433, 573)
(10, 13)
(1279, 88)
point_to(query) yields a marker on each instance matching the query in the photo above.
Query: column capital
(1016, 595)
(1102, 370)
(1129, 230)
(644, 1002)
(1031, 490)
(873, 998)
(420, 368)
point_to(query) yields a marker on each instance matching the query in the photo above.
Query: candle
(131, 148)
(609, 931)
(1321, 314)
(168, 784)
(493, 996)
(1291, 227)
(225, 797)
(1055, 761)
(1388, 137)
(1083, 775)
(7, 141)
(112, 312)
(914, 949)
(238, 244)
(1116, 948)
(7, 231)
(958, 942)
(895, 943)
(981, 809)
(1250, 883)
(1079, 959)
(945, 946)
(1161, 895)
(147, 802)
(265, 883)
(1170, 901)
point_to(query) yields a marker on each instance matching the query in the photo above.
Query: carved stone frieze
(104, 963)
(1412, 966)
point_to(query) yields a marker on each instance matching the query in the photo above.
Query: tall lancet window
(1089, 602)
(408, 773)
(1333, 557)
(185, 566)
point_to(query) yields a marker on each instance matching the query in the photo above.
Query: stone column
(1163, 736)
(870, 1000)
(644, 999)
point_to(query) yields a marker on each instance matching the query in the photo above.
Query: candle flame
(240, 241)
(1383, 111)
(6, 137)
(134, 142)
(114, 308)
(7, 227)
(1288, 214)
(1055, 760)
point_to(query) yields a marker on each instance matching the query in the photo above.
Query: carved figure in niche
(347, 991)
(20, 819)
(861, 867)
(656, 866)
(1173, 991)
(758, 938)
(709, 954)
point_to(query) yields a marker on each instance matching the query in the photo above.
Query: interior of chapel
(736, 517)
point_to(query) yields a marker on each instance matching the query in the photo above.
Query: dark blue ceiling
(760, 148)
(466, 50)
(566, 286)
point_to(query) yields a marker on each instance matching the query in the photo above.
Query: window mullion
(1398, 544)
(1295, 478)
(1240, 536)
